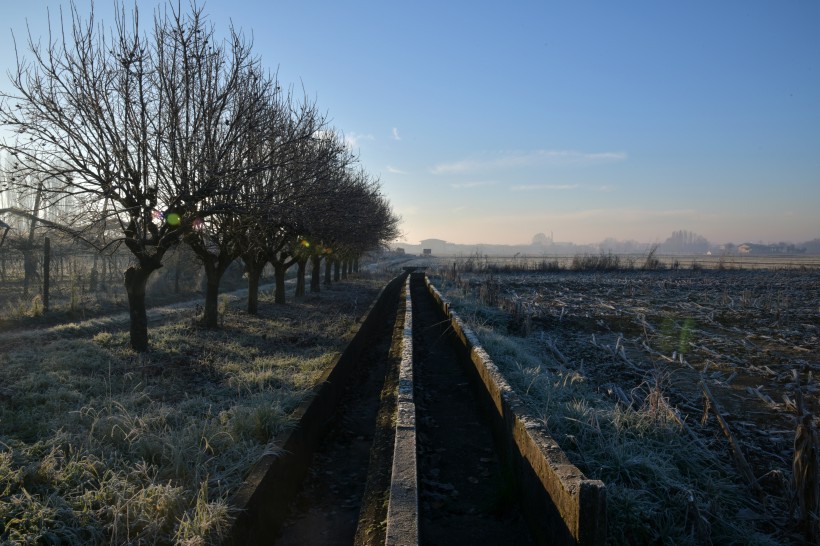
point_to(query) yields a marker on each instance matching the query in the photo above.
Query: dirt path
(113, 321)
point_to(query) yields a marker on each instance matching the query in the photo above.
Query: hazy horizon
(490, 122)
(605, 239)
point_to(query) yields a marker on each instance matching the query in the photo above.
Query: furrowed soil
(750, 336)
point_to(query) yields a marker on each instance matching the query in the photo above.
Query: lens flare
(173, 219)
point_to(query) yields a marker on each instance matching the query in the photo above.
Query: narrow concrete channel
(341, 501)
(466, 495)
(462, 493)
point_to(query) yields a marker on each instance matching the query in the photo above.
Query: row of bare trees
(174, 135)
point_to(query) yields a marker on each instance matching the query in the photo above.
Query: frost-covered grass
(100, 445)
(662, 486)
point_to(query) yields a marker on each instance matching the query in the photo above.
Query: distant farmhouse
(436, 247)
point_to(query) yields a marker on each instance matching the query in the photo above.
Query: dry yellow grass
(102, 445)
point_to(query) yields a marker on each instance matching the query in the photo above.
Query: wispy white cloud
(394, 170)
(506, 160)
(353, 140)
(475, 184)
(537, 187)
(396, 134)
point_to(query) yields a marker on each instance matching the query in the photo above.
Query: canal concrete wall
(562, 506)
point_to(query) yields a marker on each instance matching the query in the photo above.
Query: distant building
(435, 246)
(427, 252)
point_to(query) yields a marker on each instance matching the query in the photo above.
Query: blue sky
(488, 122)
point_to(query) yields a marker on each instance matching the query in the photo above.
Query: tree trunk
(177, 270)
(46, 272)
(336, 270)
(279, 270)
(112, 267)
(94, 276)
(136, 277)
(214, 269)
(328, 263)
(315, 276)
(254, 274)
(29, 269)
(300, 277)
(103, 274)
(345, 268)
(210, 317)
(355, 265)
(29, 260)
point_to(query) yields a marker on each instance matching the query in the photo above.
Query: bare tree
(362, 220)
(93, 111)
(26, 207)
(272, 197)
(149, 139)
(219, 106)
(280, 198)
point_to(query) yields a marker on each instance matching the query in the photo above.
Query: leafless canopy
(151, 137)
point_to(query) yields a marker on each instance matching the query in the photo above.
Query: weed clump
(590, 262)
(36, 308)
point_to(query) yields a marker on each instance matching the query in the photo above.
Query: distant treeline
(679, 243)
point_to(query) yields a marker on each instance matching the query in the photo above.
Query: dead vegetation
(99, 444)
(692, 394)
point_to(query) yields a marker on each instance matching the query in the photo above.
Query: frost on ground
(102, 445)
(617, 365)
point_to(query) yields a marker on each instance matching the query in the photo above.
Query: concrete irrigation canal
(412, 438)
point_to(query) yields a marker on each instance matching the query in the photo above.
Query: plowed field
(643, 337)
